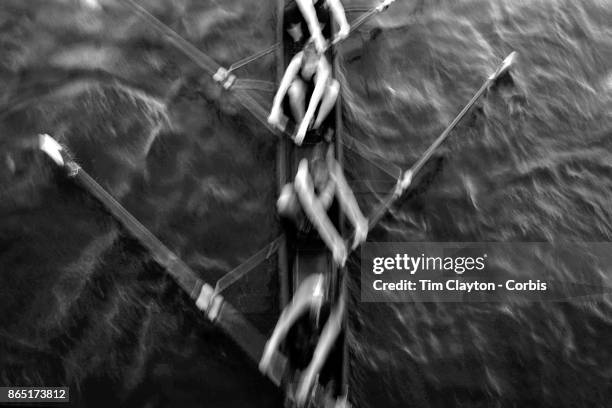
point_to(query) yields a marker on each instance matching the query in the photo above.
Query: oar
(362, 19)
(185, 277)
(222, 313)
(406, 178)
(503, 68)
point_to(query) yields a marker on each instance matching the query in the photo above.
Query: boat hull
(298, 259)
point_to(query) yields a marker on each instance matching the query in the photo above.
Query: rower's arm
(338, 13)
(290, 73)
(313, 208)
(310, 15)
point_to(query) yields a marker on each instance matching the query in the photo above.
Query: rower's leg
(297, 99)
(348, 203)
(316, 213)
(315, 99)
(307, 296)
(330, 332)
(327, 102)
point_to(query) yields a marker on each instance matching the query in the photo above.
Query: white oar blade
(505, 66)
(384, 5)
(508, 62)
(52, 148)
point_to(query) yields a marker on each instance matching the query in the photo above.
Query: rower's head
(295, 31)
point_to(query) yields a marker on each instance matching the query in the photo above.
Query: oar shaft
(382, 208)
(503, 67)
(197, 56)
(380, 211)
(430, 150)
(362, 19)
(184, 275)
(217, 310)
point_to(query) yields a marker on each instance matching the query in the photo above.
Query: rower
(304, 17)
(308, 76)
(305, 203)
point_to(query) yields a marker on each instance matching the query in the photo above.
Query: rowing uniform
(309, 81)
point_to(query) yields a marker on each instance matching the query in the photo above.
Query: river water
(84, 305)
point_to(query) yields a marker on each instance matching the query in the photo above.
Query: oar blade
(384, 5)
(52, 148)
(505, 66)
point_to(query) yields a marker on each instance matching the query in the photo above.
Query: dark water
(83, 304)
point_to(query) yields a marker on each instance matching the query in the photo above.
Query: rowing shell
(298, 260)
